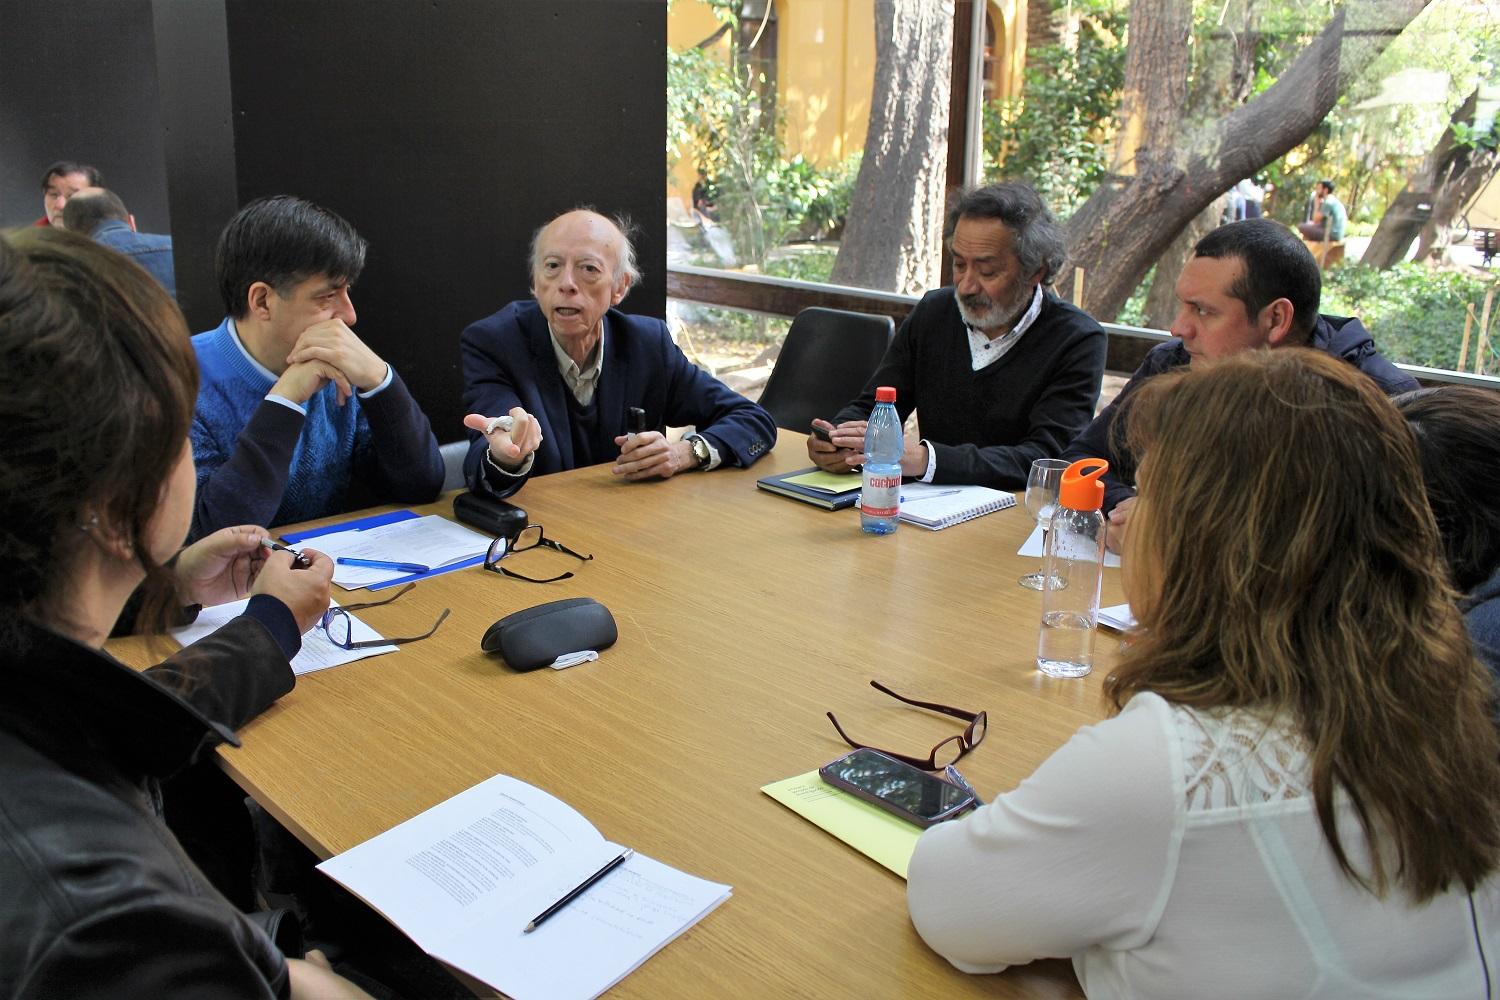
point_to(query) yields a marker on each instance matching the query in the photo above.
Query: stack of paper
(464, 878)
(430, 541)
(317, 651)
(1033, 547)
(868, 829)
(1117, 617)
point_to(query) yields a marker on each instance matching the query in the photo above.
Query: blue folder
(375, 521)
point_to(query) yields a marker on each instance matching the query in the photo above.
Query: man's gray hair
(1038, 238)
(627, 266)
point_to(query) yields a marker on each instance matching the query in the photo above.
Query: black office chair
(828, 356)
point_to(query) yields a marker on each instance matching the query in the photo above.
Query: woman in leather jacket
(97, 386)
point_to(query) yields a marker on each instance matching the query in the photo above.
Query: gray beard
(993, 316)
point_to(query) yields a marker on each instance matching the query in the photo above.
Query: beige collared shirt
(581, 382)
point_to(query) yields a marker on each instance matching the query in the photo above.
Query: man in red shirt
(62, 181)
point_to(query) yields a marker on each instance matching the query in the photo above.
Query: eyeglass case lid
(491, 516)
(534, 637)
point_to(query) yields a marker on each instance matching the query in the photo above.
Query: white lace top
(1173, 853)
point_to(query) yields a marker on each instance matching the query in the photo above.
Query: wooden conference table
(743, 617)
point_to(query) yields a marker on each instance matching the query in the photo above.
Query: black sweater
(988, 426)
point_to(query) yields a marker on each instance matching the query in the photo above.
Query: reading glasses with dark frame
(339, 627)
(530, 537)
(949, 751)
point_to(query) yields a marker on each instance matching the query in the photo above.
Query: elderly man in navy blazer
(567, 367)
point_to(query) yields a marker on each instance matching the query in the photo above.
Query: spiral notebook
(937, 507)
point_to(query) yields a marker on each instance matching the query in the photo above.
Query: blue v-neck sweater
(262, 462)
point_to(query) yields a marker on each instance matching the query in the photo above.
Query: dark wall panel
(78, 82)
(446, 131)
(192, 46)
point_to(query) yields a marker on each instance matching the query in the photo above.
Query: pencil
(583, 887)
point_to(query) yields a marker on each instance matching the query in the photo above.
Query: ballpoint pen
(930, 496)
(383, 564)
(298, 559)
(957, 779)
(582, 887)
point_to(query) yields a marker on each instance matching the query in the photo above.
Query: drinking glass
(1042, 484)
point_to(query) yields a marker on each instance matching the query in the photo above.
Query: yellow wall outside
(688, 23)
(825, 70)
(825, 74)
(1009, 18)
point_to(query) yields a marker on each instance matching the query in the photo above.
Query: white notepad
(938, 507)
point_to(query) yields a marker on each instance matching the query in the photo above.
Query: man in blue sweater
(296, 416)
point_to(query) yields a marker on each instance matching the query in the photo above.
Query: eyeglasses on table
(949, 751)
(530, 537)
(339, 627)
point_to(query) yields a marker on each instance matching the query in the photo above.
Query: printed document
(430, 541)
(317, 651)
(465, 877)
(1033, 547)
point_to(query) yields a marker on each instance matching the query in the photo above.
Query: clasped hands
(643, 455)
(329, 352)
(232, 564)
(845, 451)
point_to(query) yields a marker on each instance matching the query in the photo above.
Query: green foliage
(803, 263)
(1478, 139)
(719, 115)
(1415, 312)
(1133, 312)
(1389, 119)
(1052, 138)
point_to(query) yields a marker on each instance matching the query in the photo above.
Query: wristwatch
(699, 444)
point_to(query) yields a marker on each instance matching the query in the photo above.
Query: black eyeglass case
(491, 516)
(534, 637)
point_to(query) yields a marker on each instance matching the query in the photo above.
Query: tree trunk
(1418, 210)
(1156, 86)
(1399, 225)
(1454, 194)
(1129, 221)
(1463, 172)
(892, 239)
(1041, 24)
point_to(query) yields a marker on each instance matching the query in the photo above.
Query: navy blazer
(508, 361)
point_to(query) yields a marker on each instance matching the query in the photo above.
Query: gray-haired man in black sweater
(1002, 371)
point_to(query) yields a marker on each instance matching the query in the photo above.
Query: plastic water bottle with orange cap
(1074, 562)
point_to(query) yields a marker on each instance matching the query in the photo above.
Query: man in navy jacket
(1249, 285)
(567, 367)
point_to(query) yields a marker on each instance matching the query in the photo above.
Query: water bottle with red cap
(880, 494)
(1074, 562)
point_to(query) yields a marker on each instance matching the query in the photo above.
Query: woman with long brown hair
(97, 382)
(1300, 793)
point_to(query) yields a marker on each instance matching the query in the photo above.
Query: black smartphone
(915, 796)
(822, 433)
